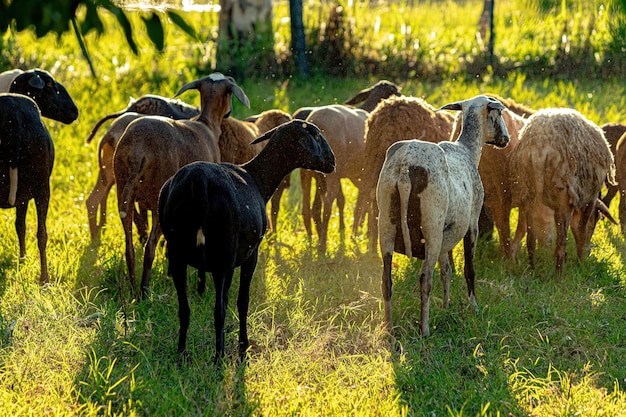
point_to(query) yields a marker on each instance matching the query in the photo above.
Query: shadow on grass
(132, 364)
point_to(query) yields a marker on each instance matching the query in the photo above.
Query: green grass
(79, 346)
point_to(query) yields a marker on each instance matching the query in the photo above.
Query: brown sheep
(612, 132)
(620, 169)
(234, 144)
(153, 148)
(394, 119)
(562, 161)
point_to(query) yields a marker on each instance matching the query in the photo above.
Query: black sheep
(26, 149)
(213, 217)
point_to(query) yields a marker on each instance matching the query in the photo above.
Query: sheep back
(26, 144)
(560, 149)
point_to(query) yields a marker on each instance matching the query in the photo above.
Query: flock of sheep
(425, 179)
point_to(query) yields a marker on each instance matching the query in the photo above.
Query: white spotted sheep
(429, 197)
(561, 161)
(213, 218)
(153, 148)
(394, 119)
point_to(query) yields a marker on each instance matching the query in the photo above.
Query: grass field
(79, 346)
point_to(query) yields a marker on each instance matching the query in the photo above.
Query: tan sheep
(562, 161)
(344, 128)
(153, 148)
(394, 119)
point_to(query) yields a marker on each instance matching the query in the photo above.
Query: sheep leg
(243, 301)
(426, 285)
(501, 216)
(141, 222)
(333, 188)
(562, 218)
(20, 227)
(13, 185)
(372, 226)
(178, 271)
(98, 196)
(96, 199)
(359, 213)
(41, 205)
(531, 239)
(445, 270)
(341, 203)
(305, 181)
(318, 203)
(222, 281)
(469, 252)
(127, 225)
(387, 240)
(275, 202)
(148, 257)
(580, 229)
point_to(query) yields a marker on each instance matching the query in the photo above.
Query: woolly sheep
(26, 148)
(213, 218)
(394, 119)
(153, 148)
(52, 98)
(429, 197)
(562, 161)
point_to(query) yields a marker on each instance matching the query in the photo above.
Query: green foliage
(80, 346)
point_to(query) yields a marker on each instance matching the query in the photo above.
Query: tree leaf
(155, 30)
(180, 22)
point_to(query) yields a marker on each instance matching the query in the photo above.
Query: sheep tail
(128, 199)
(404, 189)
(412, 178)
(100, 122)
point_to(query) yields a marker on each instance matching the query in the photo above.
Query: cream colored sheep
(562, 161)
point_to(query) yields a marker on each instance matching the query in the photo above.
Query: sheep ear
(360, 97)
(495, 105)
(602, 208)
(266, 136)
(36, 82)
(452, 106)
(193, 85)
(238, 92)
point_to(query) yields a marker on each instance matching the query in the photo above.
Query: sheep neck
(267, 172)
(471, 134)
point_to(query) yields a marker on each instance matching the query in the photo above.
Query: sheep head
(301, 142)
(494, 130)
(214, 86)
(374, 95)
(51, 97)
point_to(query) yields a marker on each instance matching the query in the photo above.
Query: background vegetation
(539, 346)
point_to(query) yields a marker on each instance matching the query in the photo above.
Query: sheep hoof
(184, 358)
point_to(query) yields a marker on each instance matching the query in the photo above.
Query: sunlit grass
(81, 346)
